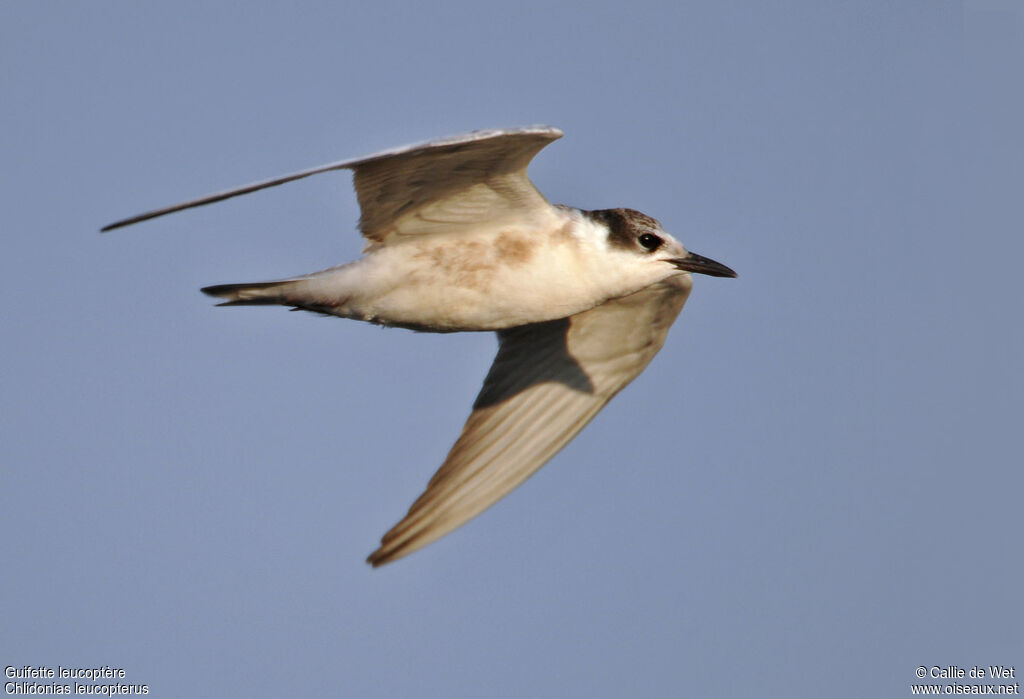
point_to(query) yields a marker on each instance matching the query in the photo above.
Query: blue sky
(814, 489)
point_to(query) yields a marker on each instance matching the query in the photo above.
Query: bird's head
(642, 238)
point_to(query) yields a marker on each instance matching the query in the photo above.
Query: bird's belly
(466, 285)
(453, 307)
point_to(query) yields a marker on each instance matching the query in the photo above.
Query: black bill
(702, 265)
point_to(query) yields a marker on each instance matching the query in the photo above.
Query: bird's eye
(649, 241)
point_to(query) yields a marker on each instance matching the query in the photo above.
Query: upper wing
(463, 180)
(547, 382)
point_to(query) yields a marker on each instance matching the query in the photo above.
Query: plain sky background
(815, 488)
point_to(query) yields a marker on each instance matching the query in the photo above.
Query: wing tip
(399, 542)
(382, 556)
(122, 223)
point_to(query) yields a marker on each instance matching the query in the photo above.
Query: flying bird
(459, 239)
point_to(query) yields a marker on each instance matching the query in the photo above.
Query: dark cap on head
(624, 225)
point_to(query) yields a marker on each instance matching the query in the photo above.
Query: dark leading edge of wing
(523, 142)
